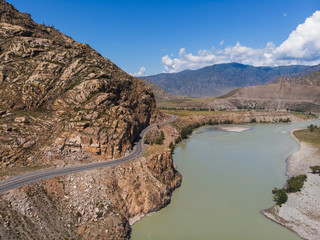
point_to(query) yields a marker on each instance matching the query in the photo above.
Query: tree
(312, 127)
(253, 120)
(280, 196)
(159, 140)
(177, 140)
(186, 131)
(171, 146)
(295, 184)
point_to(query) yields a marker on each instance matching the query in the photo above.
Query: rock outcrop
(99, 204)
(62, 103)
(60, 100)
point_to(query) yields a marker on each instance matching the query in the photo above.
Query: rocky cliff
(62, 103)
(60, 100)
(99, 204)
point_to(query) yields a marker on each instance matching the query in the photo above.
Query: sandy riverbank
(300, 213)
(235, 129)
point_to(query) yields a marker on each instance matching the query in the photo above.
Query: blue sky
(156, 36)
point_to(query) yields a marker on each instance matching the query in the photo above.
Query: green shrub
(253, 120)
(186, 131)
(315, 169)
(159, 140)
(312, 127)
(280, 196)
(227, 121)
(295, 184)
(210, 122)
(177, 140)
(171, 146)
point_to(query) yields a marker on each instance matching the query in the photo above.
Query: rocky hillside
(312, 79)
(300, 74)
(62, 103)
(58, 96)
(158, 92)
(99, 204)
(300, 94)
(219, 79)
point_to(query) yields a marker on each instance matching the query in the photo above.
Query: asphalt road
(138, 150)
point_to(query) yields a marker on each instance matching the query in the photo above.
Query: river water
(227, 179)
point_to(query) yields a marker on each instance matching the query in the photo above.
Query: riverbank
(300, 213)
(172, 131)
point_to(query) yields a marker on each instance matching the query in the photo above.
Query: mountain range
(220, 79)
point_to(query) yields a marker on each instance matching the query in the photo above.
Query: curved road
(20, 180)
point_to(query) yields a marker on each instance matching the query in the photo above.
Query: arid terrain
(62, 103)
(300, 213)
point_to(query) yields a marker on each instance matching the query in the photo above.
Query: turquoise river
(227, 179)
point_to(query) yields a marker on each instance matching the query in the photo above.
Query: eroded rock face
(58, 96)
(62, 103)
(99, 204)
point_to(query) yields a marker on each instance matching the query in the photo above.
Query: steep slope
(300, 74)
(312, 79)
(158, 92)
(59, 96)
(62, 103)
(218, 79)
(302, 94)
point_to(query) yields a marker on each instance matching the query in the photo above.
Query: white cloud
(304, 42)
(140, 73)
(221, 43)
(285, 14)
(301, 47)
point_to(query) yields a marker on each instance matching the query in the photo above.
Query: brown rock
(86, 141)
(94, 150)
(21, 120)
(80, 126)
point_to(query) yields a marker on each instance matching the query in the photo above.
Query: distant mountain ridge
(219, 79)
(299, 94)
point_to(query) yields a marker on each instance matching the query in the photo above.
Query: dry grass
(312, 138)
(178, 101)
(155, 148)
(304, 116)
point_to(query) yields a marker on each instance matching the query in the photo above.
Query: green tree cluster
(280, 196)
(294, 184)
(312, 127)
(159, 140)
(285, 120)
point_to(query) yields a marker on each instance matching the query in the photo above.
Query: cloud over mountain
(301, 47)
(141, 72)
